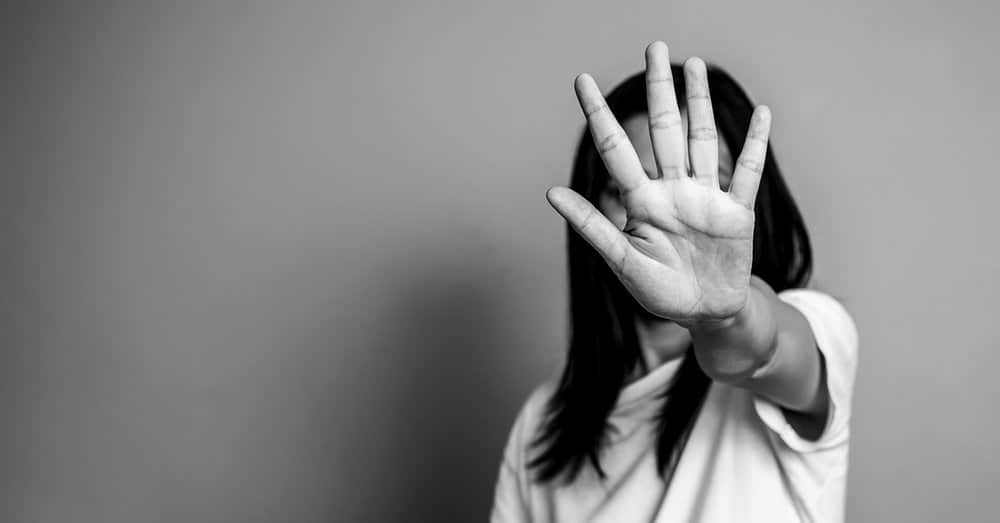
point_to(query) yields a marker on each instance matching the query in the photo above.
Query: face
(637, 129)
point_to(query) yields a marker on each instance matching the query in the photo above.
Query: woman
(703, 383)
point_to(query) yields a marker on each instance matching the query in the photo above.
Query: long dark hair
(603, 346)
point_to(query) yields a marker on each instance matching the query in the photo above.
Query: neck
(660, 340)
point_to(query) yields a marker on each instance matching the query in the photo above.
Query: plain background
(294, 262)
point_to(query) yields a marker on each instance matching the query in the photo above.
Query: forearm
(771, 336)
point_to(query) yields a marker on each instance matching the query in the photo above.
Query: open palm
(687, 246)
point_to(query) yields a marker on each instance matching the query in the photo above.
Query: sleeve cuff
(836, 338)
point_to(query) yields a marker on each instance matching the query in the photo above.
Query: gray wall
(295, 263)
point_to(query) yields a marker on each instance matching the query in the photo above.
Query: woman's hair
(603, 345)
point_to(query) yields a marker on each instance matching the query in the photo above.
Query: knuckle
(751, 165)
(592, 108)
(702, 134)
(654, 79)
(667, 119)
(587, 221)
(622, 260)
(611, 141)
(674, 171)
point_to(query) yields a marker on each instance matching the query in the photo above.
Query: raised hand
(686, 249)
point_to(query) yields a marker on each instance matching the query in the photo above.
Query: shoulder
(512, 497)
(529, 418)
(538, 401)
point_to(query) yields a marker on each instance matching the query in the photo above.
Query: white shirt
(743, 461)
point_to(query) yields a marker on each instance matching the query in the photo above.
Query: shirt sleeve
(837, 339)
(816, 471)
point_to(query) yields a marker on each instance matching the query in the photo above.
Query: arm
(686, 250)
(769, 349)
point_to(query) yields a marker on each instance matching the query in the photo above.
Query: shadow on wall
(435, 407)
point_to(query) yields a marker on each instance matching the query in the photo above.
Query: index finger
(612, 143)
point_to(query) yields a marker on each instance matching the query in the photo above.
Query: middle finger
(703, 140)
(665, 130)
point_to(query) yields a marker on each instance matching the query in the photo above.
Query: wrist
(734, 348)
(716, 325)
(767, 362)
